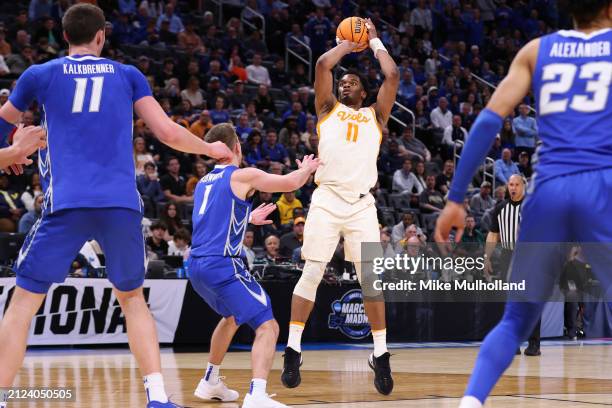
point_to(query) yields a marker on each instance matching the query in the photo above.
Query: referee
(506, 219)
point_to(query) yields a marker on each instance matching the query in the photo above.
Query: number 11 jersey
(86, 106)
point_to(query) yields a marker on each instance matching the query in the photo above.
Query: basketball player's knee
(229, 322)
(310, 279)
(269, 328)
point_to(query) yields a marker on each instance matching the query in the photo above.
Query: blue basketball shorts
(230, 290)
(560, 213)
(55, 240)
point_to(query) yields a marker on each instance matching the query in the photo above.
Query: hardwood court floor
(564, 376)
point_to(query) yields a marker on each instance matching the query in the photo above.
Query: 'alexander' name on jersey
(84, 69)
(580, 49)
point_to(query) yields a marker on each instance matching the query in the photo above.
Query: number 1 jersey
(572, 87)
(86, 106)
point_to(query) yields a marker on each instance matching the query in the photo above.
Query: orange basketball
(354, 29)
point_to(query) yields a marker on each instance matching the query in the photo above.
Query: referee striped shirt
(506, 220)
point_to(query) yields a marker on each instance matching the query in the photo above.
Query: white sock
(380, 342)
(154, 387)
(470, 402)
(211, 375)
(258, 386)
(295, 336)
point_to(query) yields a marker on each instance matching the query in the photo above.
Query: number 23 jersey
(572, 89)
(86, 105)
(349, 141)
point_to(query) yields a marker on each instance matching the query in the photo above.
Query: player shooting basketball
(350, 137)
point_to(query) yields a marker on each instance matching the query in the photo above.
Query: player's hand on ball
(453, 215)
(259, 215)
(309, 162)
(220, 151)
(371, 29)
(348, 46)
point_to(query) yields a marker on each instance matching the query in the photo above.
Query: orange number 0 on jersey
(352, 132)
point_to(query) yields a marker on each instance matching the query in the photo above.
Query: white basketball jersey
(349, 141)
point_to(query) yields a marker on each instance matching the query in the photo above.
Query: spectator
(243, 130)
(193, 93)
(407, 88)
(505, 167)
(318, 30)
(216, 73)
(148, 184)
(404, 180)
(430, 200)
(18, 63)
(251, 111)
(255, 44)
(496, 149)
(432, 64)
(5, 46)
(157, 243)
(202, 125)
(29, 219)
(199, 171)
(507, 134)
(481, 202)
(286, 204)
(392, 161)
(166, 36)
(166, 73)
(471, 234)
(179, 245)
(273, 151)
(387, 246)
(264, 103)
(441, 117)
(409, 146)
(173, 183)
(297, 112)
(39, 9)
(399, 230)
(292, 240)
(420, 18)
(453, 134)
(52, 34)
(32, 191)
(526, 129)
(171, 219)
(296, 150)
(219, 114)
(524, 165)
(11, 207)
(175, 22)
(189, 40)
(419, 172)
(443, 181)
(253, 150)
(127, 7)
(237, 69)
(238, 99)
(278, 75)
(257, 73)
(272, 245)
(247, 245)
(141, 155)
(410, 232)
(4, 95)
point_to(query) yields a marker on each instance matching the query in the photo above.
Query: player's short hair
(81, 23)
(222, 132)
(585, 11)
(365, 84)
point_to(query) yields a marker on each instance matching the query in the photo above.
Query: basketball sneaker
(217, 392)
(290, 376)
(261, 401)
(157, 404)
(382, 373)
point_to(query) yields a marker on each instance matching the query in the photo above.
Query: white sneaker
(261, 401)
(218, 392)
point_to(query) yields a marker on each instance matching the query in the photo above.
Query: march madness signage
(85, 311)
(348, 315)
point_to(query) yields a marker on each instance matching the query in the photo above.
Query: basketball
(354, 29)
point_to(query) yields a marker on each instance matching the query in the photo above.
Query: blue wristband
(479, 143)
(5, 130)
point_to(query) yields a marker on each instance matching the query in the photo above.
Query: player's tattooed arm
(388, 89)
(324, 81)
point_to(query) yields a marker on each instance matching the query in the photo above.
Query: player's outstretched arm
(388, 90)
(174, 135)
(324, 81)
(510, 93)
(248, 179)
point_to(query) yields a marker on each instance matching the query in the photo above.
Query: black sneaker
(533, 349)
(290, 376)
(382, 373)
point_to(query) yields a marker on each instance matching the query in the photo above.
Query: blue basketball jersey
(220, 219)
(87, 109)
(574, 109)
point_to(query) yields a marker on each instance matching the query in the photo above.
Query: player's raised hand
(259, 215)
(309, 162)
(371, 29)
(347, 46)
(220, 151)
(453, 215)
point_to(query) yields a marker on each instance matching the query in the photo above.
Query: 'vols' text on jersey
(572, 87)
(349, 141)
(87, 108)
(220, 218)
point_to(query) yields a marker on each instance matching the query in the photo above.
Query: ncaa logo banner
(85, 311)
(348, 315)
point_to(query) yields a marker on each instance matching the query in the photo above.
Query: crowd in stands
(205, 71)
